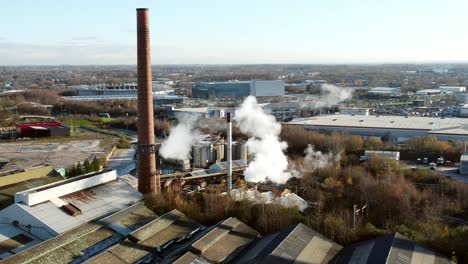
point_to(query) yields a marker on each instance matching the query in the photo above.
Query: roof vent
(334, 119)
(362, 120)
(71, 209)
(431, 123)
(392, 122)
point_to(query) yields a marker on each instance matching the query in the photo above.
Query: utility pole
(354, 217)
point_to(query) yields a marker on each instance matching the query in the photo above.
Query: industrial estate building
(387, 91)
(137, 235)
(42, 129)
(120, 89)
(389, 128)
(238, 89)
(464, 164)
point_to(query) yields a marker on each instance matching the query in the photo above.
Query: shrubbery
(86, 167)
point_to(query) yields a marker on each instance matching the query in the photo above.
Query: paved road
(451, 172)
(122, 161)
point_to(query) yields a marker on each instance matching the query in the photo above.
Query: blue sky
(49, 32)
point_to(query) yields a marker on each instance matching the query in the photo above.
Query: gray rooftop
(223, 166)
(431, 124)
(87, 240)
(224, 241)
(296, 244)
(152, 241)
(390, 249)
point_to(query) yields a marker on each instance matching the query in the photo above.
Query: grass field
(77, 122)
(107, 119)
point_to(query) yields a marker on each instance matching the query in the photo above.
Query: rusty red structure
(148, 176)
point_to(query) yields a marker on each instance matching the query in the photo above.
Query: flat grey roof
(431, 124)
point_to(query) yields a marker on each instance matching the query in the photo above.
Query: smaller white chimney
(229, 153)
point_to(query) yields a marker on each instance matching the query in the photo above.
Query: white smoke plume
(269, 162)
(179, 143)
(317, 160)
(332, 95)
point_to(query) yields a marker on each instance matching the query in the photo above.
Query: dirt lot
(26, 154)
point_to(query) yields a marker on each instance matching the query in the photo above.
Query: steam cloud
(179, 143)
(332, 96)
(269, 161)
(316, 159)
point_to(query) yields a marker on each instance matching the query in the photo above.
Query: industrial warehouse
(389, 128)
(209, 164)
(238, 89)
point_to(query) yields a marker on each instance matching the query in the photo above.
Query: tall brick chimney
(148, 177)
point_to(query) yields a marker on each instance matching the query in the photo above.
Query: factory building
(464, 164)
(238, 89)
(158, 99)
(355, 111)
(239, 151)
(369, 154)
(429, 92)
(208, 151)
(120, 89)
(386, 91)
(282, 110)
(462, 98)
(452, 89)
(202, 112)
(52, 209)
(389, 128)
(42, 129)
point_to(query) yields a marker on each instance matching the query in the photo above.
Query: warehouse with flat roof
(389, 128)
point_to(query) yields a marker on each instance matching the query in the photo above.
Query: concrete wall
(42, 194)
(15, 212)
(26, 175)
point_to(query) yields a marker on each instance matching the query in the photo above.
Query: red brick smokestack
(148, 178)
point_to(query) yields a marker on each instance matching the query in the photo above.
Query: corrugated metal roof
(93, 202)
(222, 166)
(154, 240)
(297, 243)
(390, 249)
(225, 240)
(87, 240)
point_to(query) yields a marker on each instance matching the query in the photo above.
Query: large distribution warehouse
(389, 128)
(238, 89)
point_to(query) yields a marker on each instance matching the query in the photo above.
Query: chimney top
(142, 9)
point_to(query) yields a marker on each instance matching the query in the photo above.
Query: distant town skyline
(52, 32)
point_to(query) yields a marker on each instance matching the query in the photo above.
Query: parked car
(432, 166)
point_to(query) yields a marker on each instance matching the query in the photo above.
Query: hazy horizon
(210, 32)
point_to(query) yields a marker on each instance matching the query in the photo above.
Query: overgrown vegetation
(123, 144)
(86, 167)
(419, 203)
(211, 208)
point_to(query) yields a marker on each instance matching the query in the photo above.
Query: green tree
(87, 166)
(79, 168)
(373, 143)
(95, 164)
